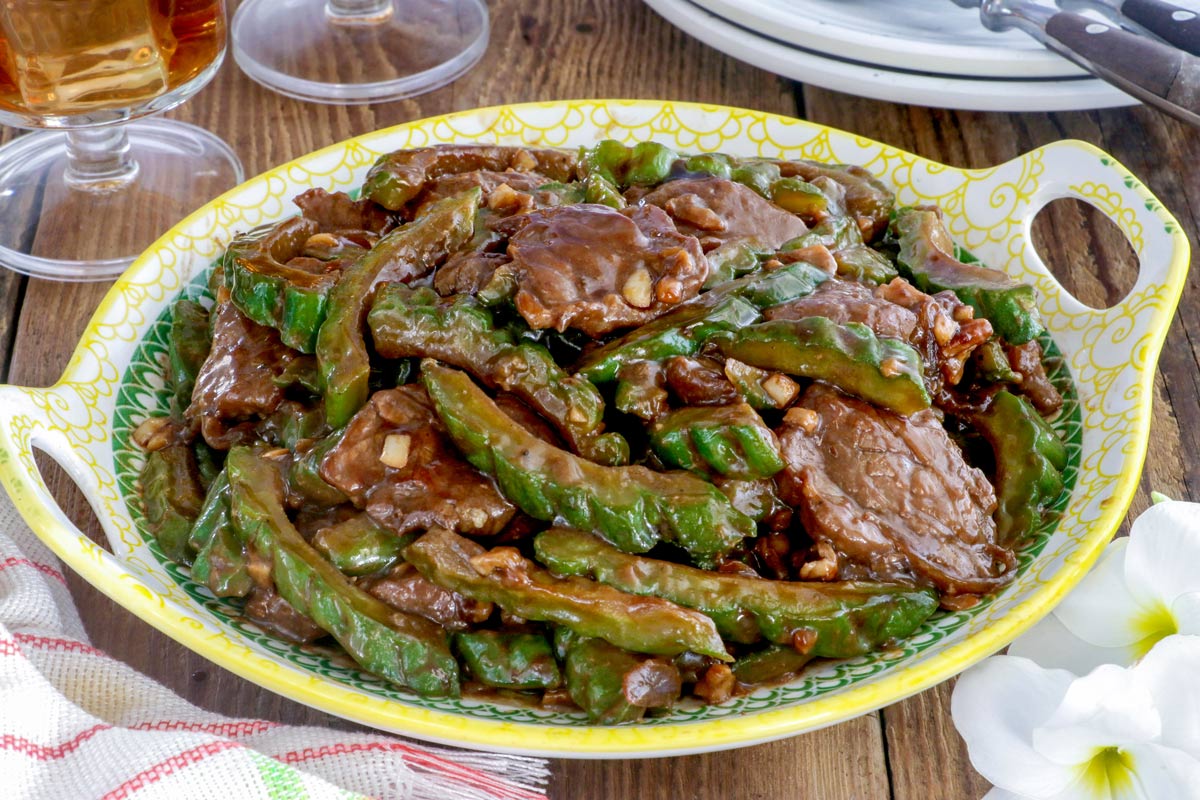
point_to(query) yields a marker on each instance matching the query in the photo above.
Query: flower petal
(996, 793)
(1101, 610)
(1051, 644)
(996, 705)
(1142, 772)
(1169, 672)
(1164, 548)
(1108, 707)
(1186, 611)
(1159, 772)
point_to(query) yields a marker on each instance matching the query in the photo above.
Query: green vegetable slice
(633, 507)
(404, 649)
(848, 619)
(885, 372)
(1030, 459)
(521, 587)
(926, 258)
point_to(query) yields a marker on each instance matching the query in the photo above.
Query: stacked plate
(925, 52)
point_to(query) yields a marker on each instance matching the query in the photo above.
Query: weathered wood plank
(839, 762)
(925, 754)
(11, 286)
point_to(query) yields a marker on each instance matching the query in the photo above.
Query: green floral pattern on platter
(113, 381)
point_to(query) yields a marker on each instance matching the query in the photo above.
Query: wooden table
(559, 49)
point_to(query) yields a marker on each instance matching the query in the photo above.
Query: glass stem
(358, 12)
(99, 159)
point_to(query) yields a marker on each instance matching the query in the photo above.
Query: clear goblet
(91, 190)
(358, 51)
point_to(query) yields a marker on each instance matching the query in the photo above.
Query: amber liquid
(63, 57)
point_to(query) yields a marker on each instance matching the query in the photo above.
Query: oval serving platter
(112, 383)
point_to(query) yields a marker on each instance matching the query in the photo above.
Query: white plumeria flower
(1144, 589)
(1114, 734)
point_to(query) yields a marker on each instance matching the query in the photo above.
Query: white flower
(1119, 732)
(1114, 734)
(1145, 588)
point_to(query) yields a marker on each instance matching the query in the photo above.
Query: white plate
(880, 83)
(917, 35)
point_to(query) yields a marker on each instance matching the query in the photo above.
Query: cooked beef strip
(337, 211)
(817, 255)
(1026, 359)
(467, 273)
(654, 683)
(423, 166)
(405, 589)
(849, 301)
(595, 269)
(892, 494)
(266, 609)
(433, 486)
(521, 194)
(699, 382)
(717, 211)
(333, 255)
(237, 385)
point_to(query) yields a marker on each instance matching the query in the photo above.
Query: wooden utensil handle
(1155, 73)
(1171, 23)
(1151, 71)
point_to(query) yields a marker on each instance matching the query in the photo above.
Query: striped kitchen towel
(76, 723)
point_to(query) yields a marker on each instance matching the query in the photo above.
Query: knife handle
(1172, 24)
(1153, 72)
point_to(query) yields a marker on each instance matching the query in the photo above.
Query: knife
(1171, 23)
(1155, 73)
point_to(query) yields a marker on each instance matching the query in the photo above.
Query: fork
(1152, 71)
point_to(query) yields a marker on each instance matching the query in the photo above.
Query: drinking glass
(358, 51)
(92, 189)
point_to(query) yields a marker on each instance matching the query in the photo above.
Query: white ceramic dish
(880, 83)
(933, 36)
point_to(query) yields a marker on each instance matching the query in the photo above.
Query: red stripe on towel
(166, 767)
(55, 643)
(43, 753)
(14, 561)
(217, 728)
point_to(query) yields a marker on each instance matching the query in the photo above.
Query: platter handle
(1075, 169)
(57, 422)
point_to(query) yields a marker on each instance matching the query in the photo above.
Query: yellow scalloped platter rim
(1110, 354)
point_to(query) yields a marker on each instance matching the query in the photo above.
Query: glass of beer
(96, 185)
(358, 51)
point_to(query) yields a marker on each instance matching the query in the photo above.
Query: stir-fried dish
(602, 429)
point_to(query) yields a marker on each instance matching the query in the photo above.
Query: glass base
(66, 230)
(314, 50)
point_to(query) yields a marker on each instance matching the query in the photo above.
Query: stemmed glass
(358, 51)
(91, 190)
